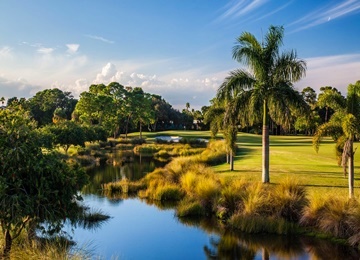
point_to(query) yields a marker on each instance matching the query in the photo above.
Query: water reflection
(120, 165)
(237, 245)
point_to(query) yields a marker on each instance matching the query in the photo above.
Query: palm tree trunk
(7, 246)
(265, 146)
(265, 254)
(140, 130)
(351, 171)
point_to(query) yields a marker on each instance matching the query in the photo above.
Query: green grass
(293, 157)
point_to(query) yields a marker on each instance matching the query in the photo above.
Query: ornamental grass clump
(339, 217)
(190, 208)
(231, 197)
(214, 154)
(288, 200)
(168, 192)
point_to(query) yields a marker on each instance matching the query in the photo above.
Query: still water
(139, 230)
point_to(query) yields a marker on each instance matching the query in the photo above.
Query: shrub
(83, 151)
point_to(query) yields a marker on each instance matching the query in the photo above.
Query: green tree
(325, 99)
(66, 133)
(222, 115)
(94, 105)
(143, 113)
(267, 90)
(343, 126)
(35, 186)
(45, 102)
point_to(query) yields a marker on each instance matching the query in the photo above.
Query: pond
(140, 230)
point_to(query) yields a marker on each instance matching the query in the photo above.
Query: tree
(143, 113)
(325, 99)
(266, 91)
(45, 102)
(343, 126)
(66, 133)
(35, 186)
(223, 116)
(309, 122)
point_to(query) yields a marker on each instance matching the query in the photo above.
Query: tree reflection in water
(238, 245)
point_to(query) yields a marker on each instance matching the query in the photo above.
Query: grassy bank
(300, 198)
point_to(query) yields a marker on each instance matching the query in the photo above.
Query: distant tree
(45, 102)
(325, 98)
(343, 126)
(267, 90)
(143, 113)
(162, 112)
(309, 95)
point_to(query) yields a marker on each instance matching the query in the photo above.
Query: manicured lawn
(290, 157)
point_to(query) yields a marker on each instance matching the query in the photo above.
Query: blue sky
(179, 49)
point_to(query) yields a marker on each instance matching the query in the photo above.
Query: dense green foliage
(32, 180)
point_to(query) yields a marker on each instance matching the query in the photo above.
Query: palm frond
(328, 128)
(238, 81)
(333, 99)
(247, 50)
(288, 67)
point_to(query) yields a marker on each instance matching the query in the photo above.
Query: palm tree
(266, 90)
(343, 126)
(221, 117)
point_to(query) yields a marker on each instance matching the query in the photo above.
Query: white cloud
(72, 48)
(336, 71)
(19, 87)
(323, 15)
(45, 51)
(6, 52)
(238, 8)
(177, 88)
(99, 38)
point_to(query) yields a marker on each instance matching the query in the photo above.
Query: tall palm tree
(343, 126)
(265, 90)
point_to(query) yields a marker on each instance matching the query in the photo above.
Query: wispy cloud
(274, 11)
(326, 14)
(45, 51)
(238, 8)
(99, 38)
(72, 48)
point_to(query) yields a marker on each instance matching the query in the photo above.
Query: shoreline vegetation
(201, 187)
